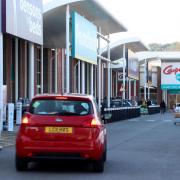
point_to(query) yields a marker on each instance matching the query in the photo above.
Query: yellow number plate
(65, 130)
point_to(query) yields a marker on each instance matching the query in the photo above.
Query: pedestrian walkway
(8, 138)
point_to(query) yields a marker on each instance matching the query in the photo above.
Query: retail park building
(57, 49)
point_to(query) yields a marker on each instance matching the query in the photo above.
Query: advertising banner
(84, 39)
(133, 66)
(18, 112)
(170, 75)
(10, 116)
(23, 18)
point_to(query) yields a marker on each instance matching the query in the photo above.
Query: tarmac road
(145, 148)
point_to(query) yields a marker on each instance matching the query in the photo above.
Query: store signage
(174, 92)
(170, 75)
(120, 76)
(23, 18)
(84, 39)
(133, 66)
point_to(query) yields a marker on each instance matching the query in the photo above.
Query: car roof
(65, 95)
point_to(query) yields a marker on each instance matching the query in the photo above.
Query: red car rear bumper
(27, 148)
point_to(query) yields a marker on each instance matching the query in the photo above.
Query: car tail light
(25, 120)
(92, 123)
(95, 122)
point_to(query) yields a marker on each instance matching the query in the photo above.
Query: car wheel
(98, 166)
(174, 123)
(105, 154)
(21, 164)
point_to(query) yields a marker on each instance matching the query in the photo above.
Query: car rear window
(61, 107)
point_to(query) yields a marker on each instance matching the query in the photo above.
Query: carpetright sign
(170, 75)
(23, 18)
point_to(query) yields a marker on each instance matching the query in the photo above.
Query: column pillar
(129, 88)
(16, 69)
(42, 71)
(56, 71)
(83, 77)
(145, 78)
(79, 76)
(26, 66)
(92, 78)
(134, 89)
(124, 72)
(1, 82)
(109, 76)
(116, 84)
(63, 74)
(67, 50)
(31, 70)
(149, 91)
(99, 72)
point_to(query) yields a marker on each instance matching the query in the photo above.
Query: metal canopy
(116, 49)
(158, 55)
(54, 20)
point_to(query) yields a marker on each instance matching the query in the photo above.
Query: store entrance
(178, 98)
(173, 99)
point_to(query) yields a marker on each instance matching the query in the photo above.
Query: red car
(61, 127)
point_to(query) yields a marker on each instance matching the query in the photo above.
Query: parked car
(177, 113)
(63, 127)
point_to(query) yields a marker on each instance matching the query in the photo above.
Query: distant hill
(165, 47)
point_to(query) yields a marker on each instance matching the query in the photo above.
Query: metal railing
(121, 113)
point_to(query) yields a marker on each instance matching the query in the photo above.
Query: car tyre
(105, 155)
(98, 166)
(21, 164)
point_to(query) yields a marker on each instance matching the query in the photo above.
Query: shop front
(21, 41)
(170, 82)
(173, 98)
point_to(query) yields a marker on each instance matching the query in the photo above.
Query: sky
(153, 21)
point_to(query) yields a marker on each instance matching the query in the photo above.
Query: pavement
(8, 138)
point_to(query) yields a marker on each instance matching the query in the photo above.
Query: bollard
(18, 112)
(10, 116)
